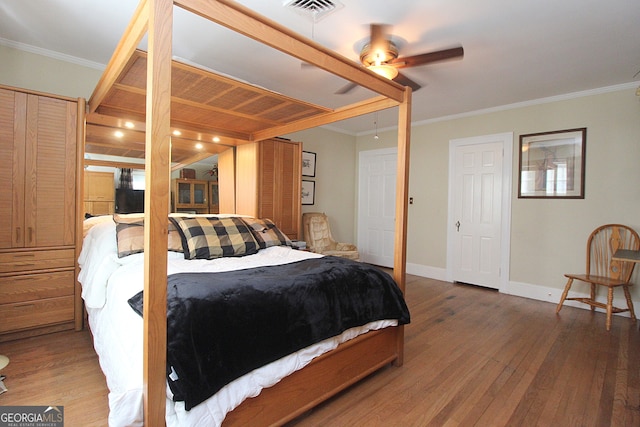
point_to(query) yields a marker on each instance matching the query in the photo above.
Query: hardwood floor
(58, 369)
(473, 357)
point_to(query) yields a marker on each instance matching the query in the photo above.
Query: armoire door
(50, 172)
(13, 113)
(279, 183)
(37, 170)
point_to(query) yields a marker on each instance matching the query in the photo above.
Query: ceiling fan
(381, 56)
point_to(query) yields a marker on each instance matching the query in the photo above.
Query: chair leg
(627, 295)
(593, 295)
(609, 307)
(564, 295)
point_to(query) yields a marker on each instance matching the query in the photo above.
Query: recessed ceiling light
(177, 133)
(199, 146)
(216, 139)
(129, 125)
(118, 134)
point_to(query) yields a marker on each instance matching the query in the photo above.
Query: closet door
(13, 107)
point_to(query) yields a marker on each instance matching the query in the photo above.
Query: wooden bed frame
(161, 111)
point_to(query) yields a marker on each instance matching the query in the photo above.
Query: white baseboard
(527, 290)
(552, 295)
(426, 271)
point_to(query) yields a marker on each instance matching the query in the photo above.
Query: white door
(476, 223)
(377, 205)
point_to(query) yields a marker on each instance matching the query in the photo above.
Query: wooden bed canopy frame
(167, 106)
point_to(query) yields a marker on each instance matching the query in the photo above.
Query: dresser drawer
(36, 260)
(31, 314)
(27, 287)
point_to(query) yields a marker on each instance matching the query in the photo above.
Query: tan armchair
(317, 234)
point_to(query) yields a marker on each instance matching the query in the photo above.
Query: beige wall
(547, 236)
(43, 74)
(335, 179)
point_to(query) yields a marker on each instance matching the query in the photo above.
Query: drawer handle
(21, 306)
(27, 255)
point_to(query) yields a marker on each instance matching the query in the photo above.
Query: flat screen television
(129, 201)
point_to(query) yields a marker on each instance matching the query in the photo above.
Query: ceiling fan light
(386, 71)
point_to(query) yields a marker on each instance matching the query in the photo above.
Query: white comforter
(108, 282)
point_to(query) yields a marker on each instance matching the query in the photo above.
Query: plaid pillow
(130, 235)
(211, 237)
(266, 233)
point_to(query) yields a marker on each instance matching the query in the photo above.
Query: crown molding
(547, 100)
(52, 54)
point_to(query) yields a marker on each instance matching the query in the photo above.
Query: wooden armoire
(268, 183)
(40, 137)
(99, 193)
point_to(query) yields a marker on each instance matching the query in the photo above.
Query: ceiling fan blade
(379, 39)
(406, 81)
(427, 58)
(346, 88)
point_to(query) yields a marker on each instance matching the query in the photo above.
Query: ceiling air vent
(313, 9)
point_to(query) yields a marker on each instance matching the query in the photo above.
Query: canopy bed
(159, 94)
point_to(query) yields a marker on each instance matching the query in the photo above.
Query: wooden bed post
(80, 138)
(402, 198)
(157, 174)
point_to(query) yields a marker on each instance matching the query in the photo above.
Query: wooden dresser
(39, 158)
(268, 183)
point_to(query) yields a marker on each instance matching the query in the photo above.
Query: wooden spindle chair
(603, 271)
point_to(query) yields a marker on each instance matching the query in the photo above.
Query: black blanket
(221, 326)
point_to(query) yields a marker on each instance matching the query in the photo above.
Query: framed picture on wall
(308, 192)
(308, 163)
(552, 164)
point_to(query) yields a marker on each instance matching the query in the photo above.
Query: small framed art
(308, 163)
(308, 192)
(552, 164)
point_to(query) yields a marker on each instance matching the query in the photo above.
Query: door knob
(457, 226)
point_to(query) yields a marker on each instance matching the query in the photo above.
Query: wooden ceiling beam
(128, 43)
(188, 130)
(115, 164)
(190, 160)
(354, 110)
(247, 22)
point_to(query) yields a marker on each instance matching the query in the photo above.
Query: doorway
(479, 220)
